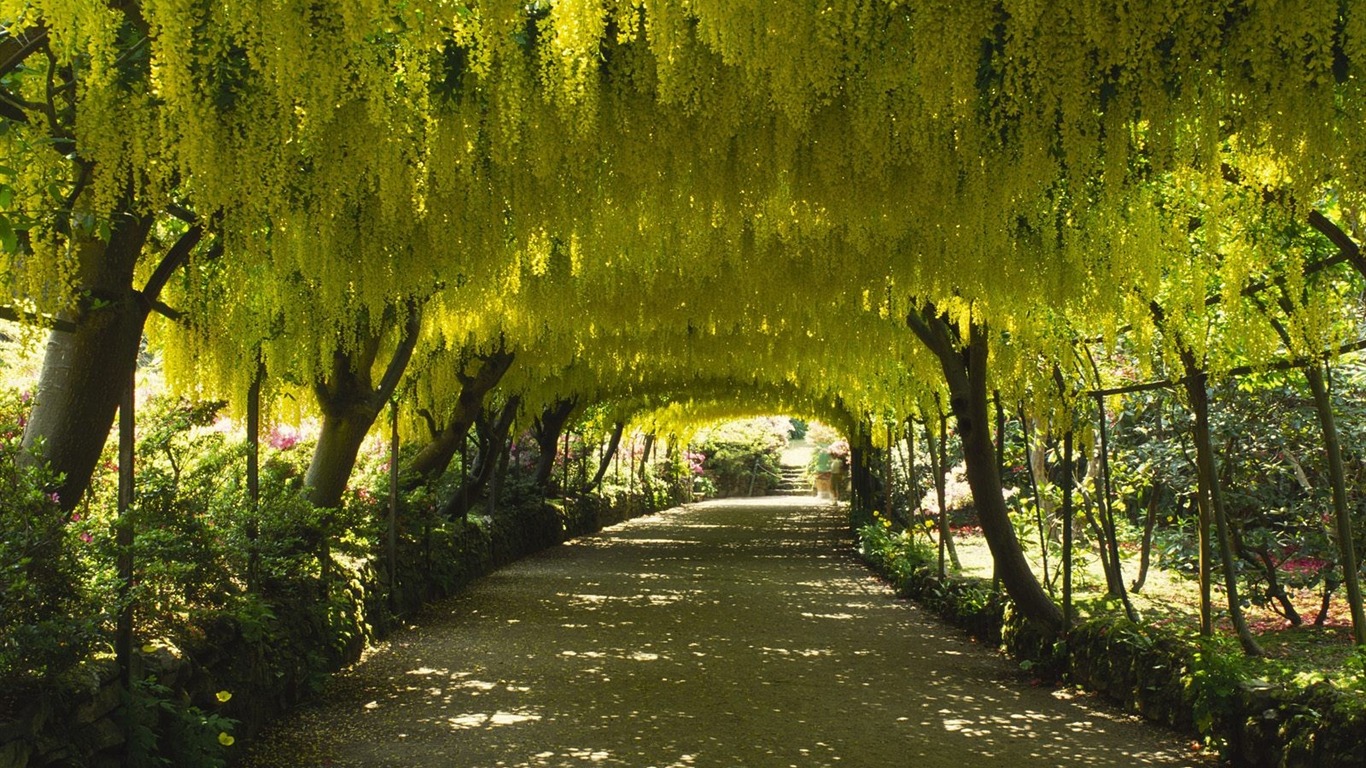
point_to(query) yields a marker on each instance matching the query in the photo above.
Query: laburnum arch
(856, 201)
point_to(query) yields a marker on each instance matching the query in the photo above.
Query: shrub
(47, 622)
(743, 455)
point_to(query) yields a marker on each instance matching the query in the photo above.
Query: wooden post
(254, 473)
(123, 637)
(887, 471)
(1038, 499)
(1067, 531)
(392, 548)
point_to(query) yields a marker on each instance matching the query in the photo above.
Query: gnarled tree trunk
(965, 369)
(493, 435)
(94, 352)
(547, 430)
(431, 461)
(350, 405)
(613, 443)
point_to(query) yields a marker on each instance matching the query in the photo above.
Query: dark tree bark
(1323, 404)
(965, 369)
(613, 443)
(1341, 505)
(1323, 407)
(1208, 474)
(547, 430)
(863, 457)
(1149, 525)
(434, 457)
(1068, 483)
(493, 435)
(938, 470)
(350, 404)
(1196, 382)
(645, 461)
(1114, 573)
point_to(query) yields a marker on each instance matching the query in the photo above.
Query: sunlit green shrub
(743, 458)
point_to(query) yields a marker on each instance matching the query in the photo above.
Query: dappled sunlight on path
(722, 634)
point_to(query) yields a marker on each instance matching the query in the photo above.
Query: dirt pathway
(724, 634)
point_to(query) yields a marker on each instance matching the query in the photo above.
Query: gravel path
(721, 634)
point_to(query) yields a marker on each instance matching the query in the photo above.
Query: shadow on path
(722, 634)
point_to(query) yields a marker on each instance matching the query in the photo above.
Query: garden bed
(1253, 712)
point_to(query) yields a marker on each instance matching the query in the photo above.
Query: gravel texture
(721, 634)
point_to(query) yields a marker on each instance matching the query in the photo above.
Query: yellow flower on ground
(226, 739)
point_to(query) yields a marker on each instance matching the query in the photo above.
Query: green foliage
(1212, 685)
(170, 732)
(740, 455)
(895, 553)
(47, 623)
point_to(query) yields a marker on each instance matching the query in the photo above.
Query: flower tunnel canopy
(864, 212)
(645, 195)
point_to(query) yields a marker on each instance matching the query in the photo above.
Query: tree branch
(24, 317)
(394, 371)
(174, 259)
(15, 48)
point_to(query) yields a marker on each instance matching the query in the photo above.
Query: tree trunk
(547, 430)
(645, 462)
(83, 369)
(1068, 481)
(1209, 480)
(1323, 407)
(965, 368)
(434, 457)
(1323, 404)
(1149, 525)
(343, 431)
(493, 435)
(350, 405)
(912, 482)
(938, 460)
(888, 475)
(1115, 574)
(613, 443)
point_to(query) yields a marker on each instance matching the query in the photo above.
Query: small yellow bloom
(225, 738)
(223, 696)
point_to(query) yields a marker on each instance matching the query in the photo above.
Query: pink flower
(75, 516)
(55, 499)
(283, 438)
(86, 537)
